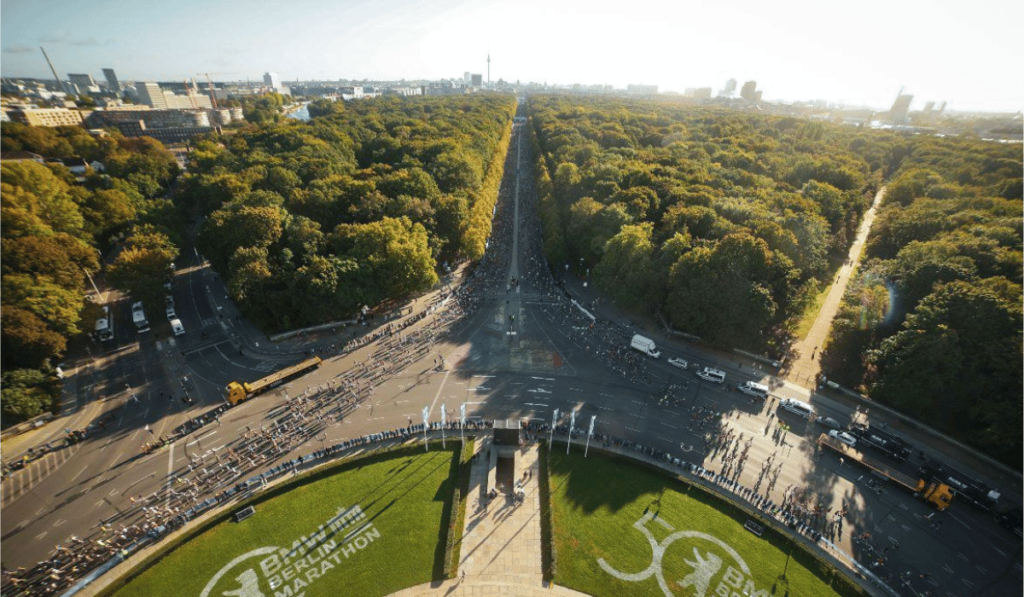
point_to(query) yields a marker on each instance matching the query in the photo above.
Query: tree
(36, 201)
(141, 269)
(626, 269)
(962, 343)
(26, 393)
(724, 293)
(27, 341)
(233, 227)
(395, 252)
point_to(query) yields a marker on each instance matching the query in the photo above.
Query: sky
(969, 53)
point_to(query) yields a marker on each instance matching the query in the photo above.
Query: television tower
(488, 68)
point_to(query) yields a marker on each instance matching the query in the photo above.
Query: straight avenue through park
(546, 261)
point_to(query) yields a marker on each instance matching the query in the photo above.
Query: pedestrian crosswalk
(20, 482)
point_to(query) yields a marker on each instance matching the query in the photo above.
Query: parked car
(678, 363)
(830, 423)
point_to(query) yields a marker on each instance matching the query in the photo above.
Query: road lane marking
(634, 430)
(1001, 552)
(947, 568)
(604, 407)
(665, 439)
(961, 522)
(667, 425)
(534, 404)
(903, 506)
(960, 555)
(541, 378)
(967, 582)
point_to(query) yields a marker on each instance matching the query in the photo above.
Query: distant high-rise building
(112, 82)
(151, 95)
(466, 78)
(749, 91)
(82, 81)
(488, 69)
(642, 90)
(900, 109)
(729, 90)
(272, 80)
(477, 80)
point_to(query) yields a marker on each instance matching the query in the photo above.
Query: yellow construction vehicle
(932, 491)
(240, 391)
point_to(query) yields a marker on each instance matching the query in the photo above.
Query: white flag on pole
(462, 414)
(444, 416)
(572, 422)
(554, 420)
(591, 432)
(426, 415)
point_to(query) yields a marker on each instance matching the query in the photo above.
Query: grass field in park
(367, 527)
(658, 536)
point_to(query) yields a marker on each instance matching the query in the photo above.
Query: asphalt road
(522, 353)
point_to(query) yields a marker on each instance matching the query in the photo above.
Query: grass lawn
(405, 497)
(597, 500)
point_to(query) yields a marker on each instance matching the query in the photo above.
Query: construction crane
(191, 98)
(213, 96)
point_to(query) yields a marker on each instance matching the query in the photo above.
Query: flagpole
(554, 421)
(572, 425)
(589, 434)
(462, 423)
(426, 414)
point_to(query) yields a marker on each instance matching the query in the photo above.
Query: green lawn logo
(286, 572)
(713, 560)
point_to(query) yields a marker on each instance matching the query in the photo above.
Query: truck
(240, 391)
(969, 489)
(882, 441)
(139, 317)
(929, 489)
(105, 326)
(645, 345)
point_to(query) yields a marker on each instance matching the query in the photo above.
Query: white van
(751, 388)
(795, 406)
(179, 330)
(712, 375)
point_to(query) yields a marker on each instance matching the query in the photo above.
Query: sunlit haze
(968, 53)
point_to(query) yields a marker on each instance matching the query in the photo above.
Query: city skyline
(969, 55)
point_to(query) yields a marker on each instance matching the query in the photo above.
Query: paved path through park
(806, 366)
(501, 541)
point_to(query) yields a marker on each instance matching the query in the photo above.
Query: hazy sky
(969, 53)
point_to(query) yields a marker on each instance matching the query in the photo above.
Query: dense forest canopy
(723, 221)
(53, 229)
(357, 206)
(932, 324)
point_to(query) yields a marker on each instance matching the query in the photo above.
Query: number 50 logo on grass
(710, 555)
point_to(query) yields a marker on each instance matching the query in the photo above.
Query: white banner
(572, 422)
(444, 416)
(426, 415)
(462, 414)
(591, 432)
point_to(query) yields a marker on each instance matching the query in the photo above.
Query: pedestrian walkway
(501, 541)
(806, 365)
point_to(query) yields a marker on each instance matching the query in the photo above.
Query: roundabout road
(512, 347)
